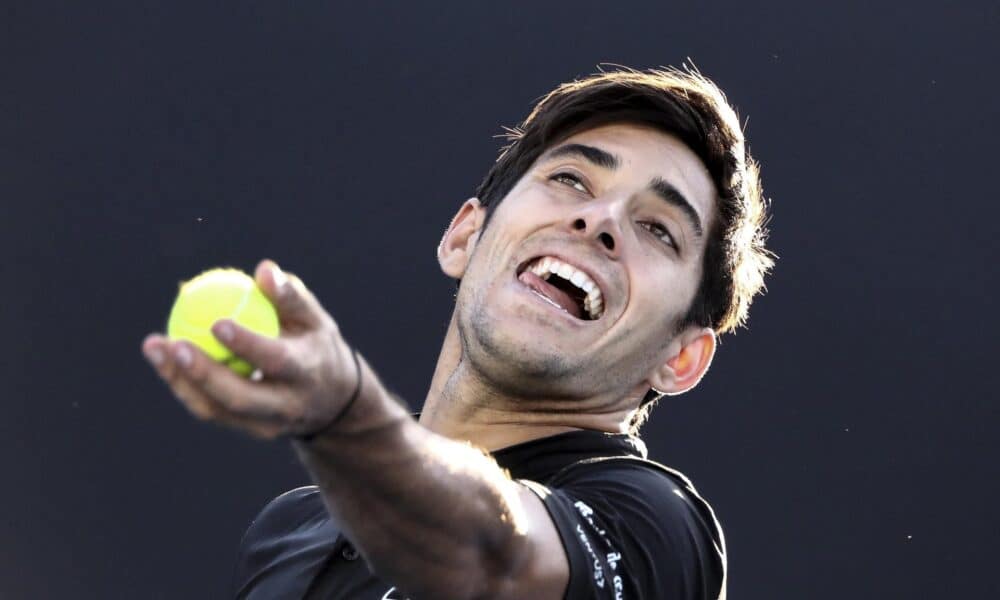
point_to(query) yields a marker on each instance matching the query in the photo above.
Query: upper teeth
(544, 267)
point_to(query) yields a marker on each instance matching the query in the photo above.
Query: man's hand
(307, 375)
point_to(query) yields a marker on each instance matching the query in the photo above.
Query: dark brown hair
(691, 107)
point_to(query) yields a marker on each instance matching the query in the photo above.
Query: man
(621, 230)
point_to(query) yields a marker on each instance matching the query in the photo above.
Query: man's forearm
(433, 516)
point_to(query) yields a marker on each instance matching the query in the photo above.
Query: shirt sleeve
(284, 547)
(632, 532)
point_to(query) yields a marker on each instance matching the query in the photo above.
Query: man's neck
(487, 429)
(461, 406)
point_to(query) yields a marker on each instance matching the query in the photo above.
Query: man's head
(640, 181)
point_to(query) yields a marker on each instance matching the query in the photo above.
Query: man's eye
(571, 180)
(659, 231)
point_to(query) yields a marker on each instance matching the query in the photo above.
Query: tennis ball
(221, 294)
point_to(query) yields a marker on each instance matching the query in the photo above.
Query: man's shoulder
(288, 511)
(635, 518)
(285, 544)
(638, 486)
(638, 474)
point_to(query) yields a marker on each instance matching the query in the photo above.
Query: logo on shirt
(612, 557)
(598, 569)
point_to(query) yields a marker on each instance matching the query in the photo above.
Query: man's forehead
(634, 142)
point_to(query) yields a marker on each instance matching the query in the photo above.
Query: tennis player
(620, 232)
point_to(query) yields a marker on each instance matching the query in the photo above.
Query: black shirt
(631, 528)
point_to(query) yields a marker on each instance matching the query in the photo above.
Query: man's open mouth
(564, 286)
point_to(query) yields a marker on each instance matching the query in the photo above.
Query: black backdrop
(847, 439)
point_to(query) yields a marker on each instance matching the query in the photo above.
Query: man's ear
(460, 239)
(683, 370)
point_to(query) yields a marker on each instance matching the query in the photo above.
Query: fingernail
(279, 278)
(224, 331)
(154, 355)
(183, 355)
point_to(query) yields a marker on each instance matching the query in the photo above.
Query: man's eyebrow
(672, 195)
(658, 185)
(601, 158)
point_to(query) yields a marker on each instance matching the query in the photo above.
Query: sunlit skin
(512, 366)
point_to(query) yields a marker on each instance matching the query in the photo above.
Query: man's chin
(522, 353)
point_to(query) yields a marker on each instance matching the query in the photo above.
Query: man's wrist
(344, 410)
(373, 409)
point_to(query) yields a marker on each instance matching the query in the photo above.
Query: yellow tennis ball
(221, 294)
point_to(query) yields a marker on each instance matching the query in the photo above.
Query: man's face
(576, 286)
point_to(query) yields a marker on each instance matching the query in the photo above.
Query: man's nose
(599, 221)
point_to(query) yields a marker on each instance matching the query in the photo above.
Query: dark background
(847, 439)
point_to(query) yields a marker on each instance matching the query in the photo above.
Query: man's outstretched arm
(435, 517)
(438, 518)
